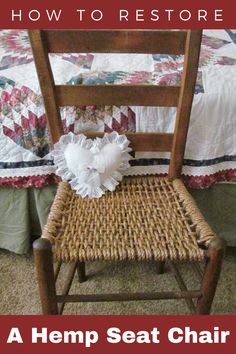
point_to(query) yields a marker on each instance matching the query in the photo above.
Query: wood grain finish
(193, 43)
(215, 255)
(43, 259)
(162, 295)
(144, 141)
(138, 95)
(115, 41)
(47, 85)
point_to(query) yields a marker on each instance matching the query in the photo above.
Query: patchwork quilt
(25, 145)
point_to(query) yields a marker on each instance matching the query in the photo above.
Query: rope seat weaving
(146, 218)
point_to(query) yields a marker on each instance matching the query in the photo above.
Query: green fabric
(14, 220)
(23, 212)
(218, 205)
(40, 201)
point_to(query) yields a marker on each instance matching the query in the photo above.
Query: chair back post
(188, 82)
(47, 84)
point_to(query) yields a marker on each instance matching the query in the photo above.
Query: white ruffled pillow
(92, 166)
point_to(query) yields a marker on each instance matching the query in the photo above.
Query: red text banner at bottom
(117, 334)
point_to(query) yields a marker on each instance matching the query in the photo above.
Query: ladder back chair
(148, 217)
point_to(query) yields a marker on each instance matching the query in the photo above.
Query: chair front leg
(43, 258)
(211, 275)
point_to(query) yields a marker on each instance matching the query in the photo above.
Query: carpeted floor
(19, 293)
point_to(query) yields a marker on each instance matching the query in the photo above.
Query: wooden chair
(148, 217)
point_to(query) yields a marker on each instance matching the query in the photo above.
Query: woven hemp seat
(146, 218)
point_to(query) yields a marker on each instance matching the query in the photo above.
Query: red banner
(118, 334)
(104, 14)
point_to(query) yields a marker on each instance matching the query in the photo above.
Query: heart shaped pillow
(92, 166)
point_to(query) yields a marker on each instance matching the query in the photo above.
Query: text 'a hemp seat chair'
(147, 217)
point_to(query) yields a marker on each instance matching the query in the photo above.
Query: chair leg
(81, 272)
(160, 267)
(211, 275)
(43, 258)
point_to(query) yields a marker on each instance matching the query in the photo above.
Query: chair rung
(116, 41)
(129, 297)
(120, 95)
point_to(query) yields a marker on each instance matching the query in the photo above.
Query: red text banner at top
(117, 14)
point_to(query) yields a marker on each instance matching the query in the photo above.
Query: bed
(25, 160)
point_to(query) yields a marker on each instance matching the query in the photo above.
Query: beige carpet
(19, 293)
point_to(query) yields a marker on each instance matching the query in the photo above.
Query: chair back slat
(144, 141)
(118, 41)
(133, 95)
(115, 41)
